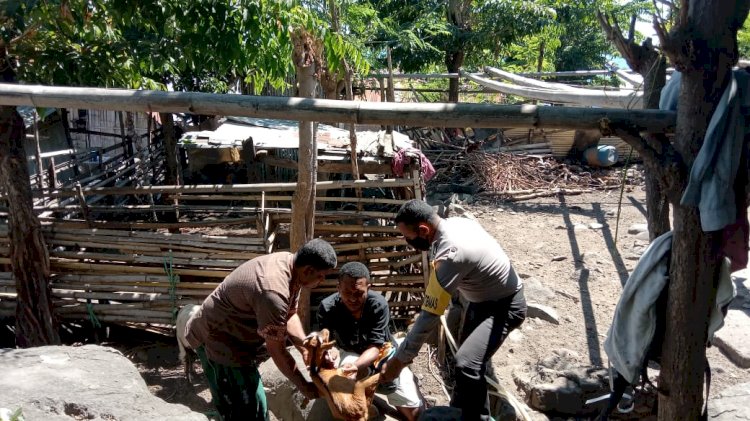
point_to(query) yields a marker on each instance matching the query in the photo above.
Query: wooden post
(38, 154)
(251, 164)
(391, 94)
(122, 133)
(52, 175)
(354, 157)
(84, 205)
(68, 138)
(303, 201)
(171, 177)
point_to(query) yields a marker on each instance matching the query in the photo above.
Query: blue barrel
(601, 155)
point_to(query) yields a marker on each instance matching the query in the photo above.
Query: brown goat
(349, 399)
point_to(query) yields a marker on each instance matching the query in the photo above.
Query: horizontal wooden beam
(285, 108)
(415, 75)
(229, 188)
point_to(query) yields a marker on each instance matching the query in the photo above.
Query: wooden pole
(38, 154)
(52, 176)
(391, 94)
(83, 204)
(359, 112)
(172, 175)
(235, 188)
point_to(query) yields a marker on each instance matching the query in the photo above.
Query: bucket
(601, 156)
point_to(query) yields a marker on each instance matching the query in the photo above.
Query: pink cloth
(402, 158)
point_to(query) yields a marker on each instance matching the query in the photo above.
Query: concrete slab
(731, 404)
(733, 339)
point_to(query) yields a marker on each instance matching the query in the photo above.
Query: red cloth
(403, 157)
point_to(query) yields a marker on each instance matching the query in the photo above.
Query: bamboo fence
(113, 261)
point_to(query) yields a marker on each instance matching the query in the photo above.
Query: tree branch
(631, 31)
(659, 157)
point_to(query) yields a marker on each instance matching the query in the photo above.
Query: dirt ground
(567, 243)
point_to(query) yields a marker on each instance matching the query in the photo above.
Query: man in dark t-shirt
(359, 320)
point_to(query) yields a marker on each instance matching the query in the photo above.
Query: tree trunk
(457, 13)
(657, 206)
(652, 66)
(303, 205)
(694, 266)
(303, 200)
(35, 321)
(692, 291)
(453, 62)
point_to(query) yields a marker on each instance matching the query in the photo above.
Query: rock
(515, 336)
(642, 236)
(561, 359)
(543, 312)
(559, 258)
(493, 219)
(441, 413)
(733, 339)
(458, 210)
(87, 382)
(742, 284)
(558, 384)
(284, 401)
(580, 227)
(561, 227)
(633, 257)
(461, 199)
(523, 275)
(730, 404)
(637, 228)
(596, 226)
(535, 291)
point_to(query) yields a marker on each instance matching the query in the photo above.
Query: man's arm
(426, 322)
(295, 330)
(435, 302)
(297, 335)
(286, 364)
(363, 363)
(377, 334)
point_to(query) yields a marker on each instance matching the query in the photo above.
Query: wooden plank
(232, 188)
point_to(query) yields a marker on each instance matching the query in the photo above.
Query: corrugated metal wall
(561, 141)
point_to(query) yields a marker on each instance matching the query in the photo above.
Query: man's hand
(349, 370)
(391, 370)
(309, 390)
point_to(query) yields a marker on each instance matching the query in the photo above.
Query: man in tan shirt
(249, 316)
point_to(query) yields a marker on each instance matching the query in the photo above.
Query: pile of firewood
(519, 177)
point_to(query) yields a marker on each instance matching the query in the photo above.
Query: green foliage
(198, 45)
(743, 40)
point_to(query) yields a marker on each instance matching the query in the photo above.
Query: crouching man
(359, 320)
(249, 315)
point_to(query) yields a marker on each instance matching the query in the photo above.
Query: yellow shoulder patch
(436, 299)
